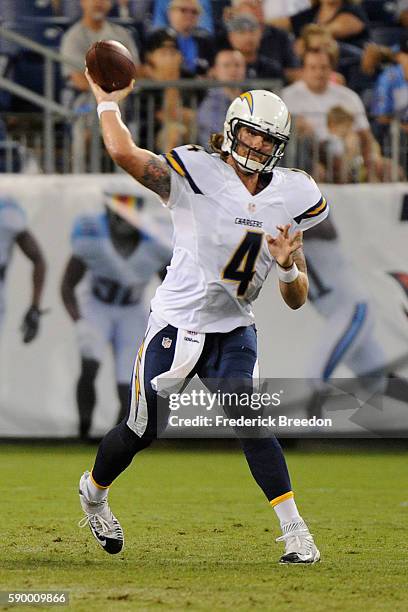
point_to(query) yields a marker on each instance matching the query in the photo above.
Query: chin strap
(244, 163)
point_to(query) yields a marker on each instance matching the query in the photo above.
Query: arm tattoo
(156, 176)
(300, 260)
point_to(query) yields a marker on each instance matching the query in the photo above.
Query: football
(110, 65)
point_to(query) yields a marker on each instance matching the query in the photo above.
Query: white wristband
(288, 276)
(107, 106)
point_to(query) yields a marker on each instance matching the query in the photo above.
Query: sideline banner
(37, 381)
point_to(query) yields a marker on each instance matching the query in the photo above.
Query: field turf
(200, 536)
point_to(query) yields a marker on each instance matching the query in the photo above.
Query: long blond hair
(215, 143)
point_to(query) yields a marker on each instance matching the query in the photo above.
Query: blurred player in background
(232, 212)
(348, 336)
(120, 260)
(13, 230)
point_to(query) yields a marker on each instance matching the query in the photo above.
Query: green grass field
(200, 536)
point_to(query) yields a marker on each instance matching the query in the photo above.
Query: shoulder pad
(189, 162)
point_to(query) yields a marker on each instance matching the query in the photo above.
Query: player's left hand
(104, 96)
(283, 246)
(31, 324)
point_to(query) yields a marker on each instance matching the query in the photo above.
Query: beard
(98, 15)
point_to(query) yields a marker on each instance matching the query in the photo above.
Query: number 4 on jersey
(241, 266)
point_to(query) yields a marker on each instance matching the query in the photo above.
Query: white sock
(287, 511)
(94, 493)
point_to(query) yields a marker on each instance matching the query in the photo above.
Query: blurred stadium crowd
(340, 65)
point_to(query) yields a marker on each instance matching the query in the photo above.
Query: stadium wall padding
(37, 381)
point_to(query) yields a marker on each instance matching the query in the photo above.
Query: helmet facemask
(267, 161)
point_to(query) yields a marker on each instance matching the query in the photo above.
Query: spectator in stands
(311, 98)
(342, 148)
(245, 35)
(278, 9)
(93, 26)
(219, 9)
(136, 9)
(390, 97)
(139, 10)
(374, 56)
(346, 59)
(275, 43)
(56, 7)
(402, 8)
(161, 14)
(318, 38)
(229, 65)
(195, 44)
(268, 9)
(343, 18)
(374, 59)
(124, 8)
(394, 94)
(172, 118)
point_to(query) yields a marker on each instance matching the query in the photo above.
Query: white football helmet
(264, 112)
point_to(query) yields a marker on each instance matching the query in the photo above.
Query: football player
(235, 217)
(120, 260)
(13, 230)
(348, 336)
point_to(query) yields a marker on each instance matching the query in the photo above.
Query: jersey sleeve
(306, 205)
(189, 167)
(13, 217)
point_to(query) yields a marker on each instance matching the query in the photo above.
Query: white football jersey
(116, 279)
(12, 222)
(221, 258)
